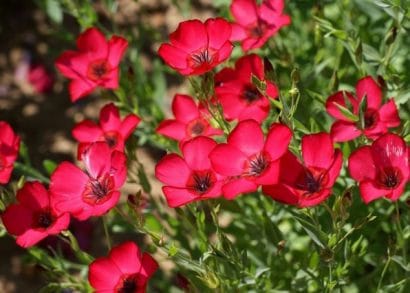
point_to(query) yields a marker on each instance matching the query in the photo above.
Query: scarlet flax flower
(190, 121)
(248, 159)
(110, 129)
(33, 218)
(308, 183)
(197, 47)
(255, 24)
(95, 191)
(239, 97)
(94, 64)
(381, 169)
(125, 269)
(9, 148)
(191, 177)
(377, 117)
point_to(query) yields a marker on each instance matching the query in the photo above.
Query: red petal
(244, 11)
(224, 52)
(389, 115)
(184, 108)
(72, 64)
(92, 40)
(31, 237)
(339, 99)
(128, 125)
(116, 49)
(60, 224)
(34, 196)
(118, 168)
(277, 141)
(390, 150)
(314, 199)
(344, 131)
(247, 137)
(167, 169)
(196, 152)
(87, 131)
(149, 265)
(317, 150)
(219, 32)
(227, 160)
(248, 65)
(172, 129)
(97, 159)
(127, 257)
(173, 56)
(238, 32)
(110, 118)
(236, 187)
(270, 175)
(103, 275)
(334, 169)
(177, 197)
(369, 88)
(79, 88)
(370, 192)
(17, 219)
(281, 193)
(190, 36)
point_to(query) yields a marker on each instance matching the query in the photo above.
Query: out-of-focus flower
(308, 183)
(377, 117)
(255, 24)
(381, 169)
(93, 192)
(239, 97)
(125, 269)
(9, 148)
(94, 64)
(34, 217)
(197, 47)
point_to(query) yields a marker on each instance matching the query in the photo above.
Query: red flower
(191, 177)
(248, 159)
(41, 80)
(125, 269)
(197, 47)
(9, 148)
(111, 129)
(377, 118)
(33, 218)
(381, 169)
(93, 192)
(190, 121)
(94, 64)
(239, 98)
(256, 24)
(308, 183)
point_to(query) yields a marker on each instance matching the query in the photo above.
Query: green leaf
(49, 166)
(54, 11)
(347, 113)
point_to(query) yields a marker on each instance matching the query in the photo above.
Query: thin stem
(107, 235)
(386, 265)
(400, 231)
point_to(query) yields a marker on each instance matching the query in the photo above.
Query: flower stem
(107, 234)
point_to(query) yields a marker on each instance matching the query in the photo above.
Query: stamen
(202, 57)
(257, 164)
(201, 181)
(390, 177)
(44, 219)
(128, 286)
(251, 94)
(96, 190)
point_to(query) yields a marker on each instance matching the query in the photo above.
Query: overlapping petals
(94, 191)
(94, 64)
(34, 217)
(196, 179)
(190, 121)
(197, 47)
(255, 24)
(125, 269)
(308, 183)
(381, 169)
(237, 94)
(376, 120)
(247, 159)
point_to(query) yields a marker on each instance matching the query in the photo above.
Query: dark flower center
(196, 127)
(251, 94)
(128, 286)
(44, 219)
(312, 180)
(96, 190)
(390, 177)
(201, 57)
(97, 69)
(370, 119)
(111, 138)
(201, 181)
(256, 165)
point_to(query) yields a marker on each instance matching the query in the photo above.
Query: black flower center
(96, 190)
(196, 127)
(370, 119)
(257, 164)
(44, 220)
(312, 181)
(128, 286)
(98, 69)
(251, 94)
(201, 181)
(390, 177)
(111, 139)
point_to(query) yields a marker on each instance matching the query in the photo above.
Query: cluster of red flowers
(249, 159)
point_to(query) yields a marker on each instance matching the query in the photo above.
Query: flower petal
(172, 170)
(196, 152)
(317, 150)
(190, 36)
(219, 32)
(227, 160)
(277, 140)
(369, 88)
(103, 275)
(177, 197)
(93, 41)
(244, 11)
(247, 137)
(369, 192)
(389, 115)
(116, 49)
(236, 187)
(184, 108)
(344, 131)
(87, 131)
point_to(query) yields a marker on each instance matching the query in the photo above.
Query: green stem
(30, 172)
(401, 234)
(107, 234)
(386, 265)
